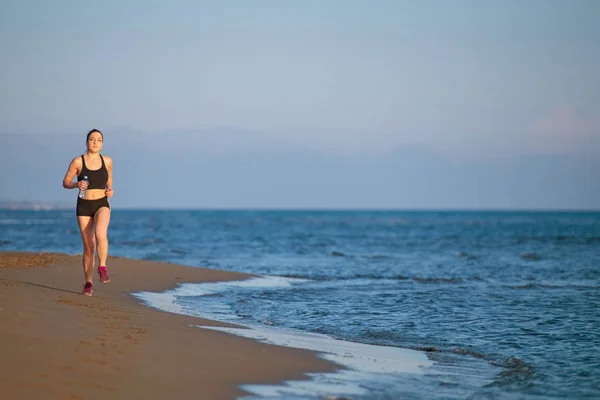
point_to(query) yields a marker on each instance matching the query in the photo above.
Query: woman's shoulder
(107, 159)
(77, 160)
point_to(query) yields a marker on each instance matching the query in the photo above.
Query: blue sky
(456, 75)
(475, 79)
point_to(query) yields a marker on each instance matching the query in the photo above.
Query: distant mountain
(30, 205)
(234, 168)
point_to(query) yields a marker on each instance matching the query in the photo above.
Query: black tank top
(97, 178)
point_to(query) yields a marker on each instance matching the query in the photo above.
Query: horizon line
(50, 208)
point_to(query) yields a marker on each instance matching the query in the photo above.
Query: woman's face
(94, 142)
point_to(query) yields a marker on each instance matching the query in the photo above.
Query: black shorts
(88, 208)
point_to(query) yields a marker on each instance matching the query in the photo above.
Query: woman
(93, 211)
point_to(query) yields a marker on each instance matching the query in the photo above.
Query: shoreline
(57, 343)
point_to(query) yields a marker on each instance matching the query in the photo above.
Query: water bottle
(82, 192)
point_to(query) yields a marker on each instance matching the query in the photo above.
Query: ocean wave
(268, 322)
(307, 276)
(396, 339)
(177, 251)
(465, 255)
(530, 256)
(560, 239)
(438, 280)
(329, 330)
(467, 352)
(513, 367)
(525, 286)
(321, 278)
(591, 284)
(514, 371)
(377, 277)
(141, 242)
(376, 257)
(555, 285)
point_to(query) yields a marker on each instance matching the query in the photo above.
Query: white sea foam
(167, 300)
(163, 301)
(358, 362)
(356, 356)
(341, 384)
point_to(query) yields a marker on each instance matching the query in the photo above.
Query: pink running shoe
(87, 289)
(104, 278)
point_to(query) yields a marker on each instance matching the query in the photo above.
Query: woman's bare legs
(86, 226)
(102, 218)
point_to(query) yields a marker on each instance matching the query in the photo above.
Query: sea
(411, 304)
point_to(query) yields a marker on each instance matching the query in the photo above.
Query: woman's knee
(101, 236)
(88, 249)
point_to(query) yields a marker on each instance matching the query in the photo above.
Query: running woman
(93, 211)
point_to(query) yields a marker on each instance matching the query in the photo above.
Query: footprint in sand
(94, 361)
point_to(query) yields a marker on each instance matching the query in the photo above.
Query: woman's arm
(72, 171)
(109, 182)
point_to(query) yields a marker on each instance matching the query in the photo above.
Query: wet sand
(56, 343)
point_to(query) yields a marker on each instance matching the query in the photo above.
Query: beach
(326, 304)
(59, 344)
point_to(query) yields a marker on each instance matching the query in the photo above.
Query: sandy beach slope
(56, 343)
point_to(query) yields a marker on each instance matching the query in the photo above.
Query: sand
(56, 343)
